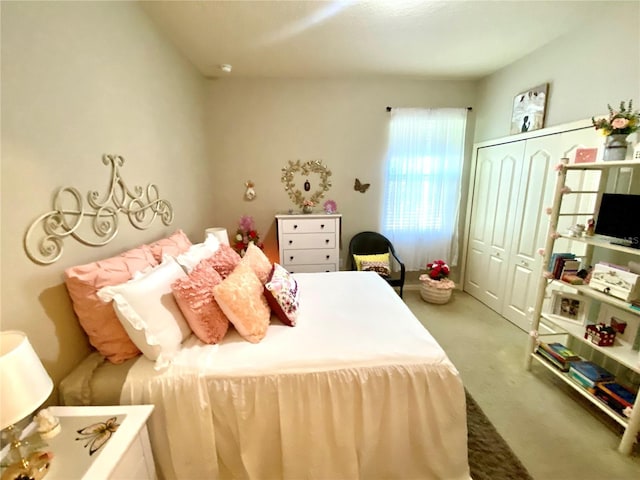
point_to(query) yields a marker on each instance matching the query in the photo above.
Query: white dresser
(309, 242)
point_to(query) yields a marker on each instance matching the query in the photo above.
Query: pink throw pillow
(173, 245)
(194, 296)
(97, 318)
(258, 261)
(240, 298)
(224, 260)
(282, 294)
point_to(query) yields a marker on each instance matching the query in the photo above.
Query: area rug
(490, 458)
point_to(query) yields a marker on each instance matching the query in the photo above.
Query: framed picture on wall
(529, 108)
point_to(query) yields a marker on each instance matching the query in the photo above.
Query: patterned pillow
(173, 245)
(240, 298)
(97, 318)
(378, 257)
(194, 296)
(381, 268)
(258, 261)
(282, 294)
(224, 260)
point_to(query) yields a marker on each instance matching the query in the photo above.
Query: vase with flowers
(246, 234)
(307, 206)
(436, 287)
(616, 127)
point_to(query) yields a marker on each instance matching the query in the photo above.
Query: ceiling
(463, 39)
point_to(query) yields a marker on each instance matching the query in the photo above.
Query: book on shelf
(555, 256)
(560, 352)
(552, 360)
(582, 380)
(570, 267)
(617, 397)
(592, 371)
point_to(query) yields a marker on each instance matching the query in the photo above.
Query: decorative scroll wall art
(43, 241)
(303, 171)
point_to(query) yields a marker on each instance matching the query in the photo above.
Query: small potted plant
(245, 235)
(307, 206)
(435, 284)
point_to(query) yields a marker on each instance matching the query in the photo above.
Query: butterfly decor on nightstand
(361, 187)
(97, 434)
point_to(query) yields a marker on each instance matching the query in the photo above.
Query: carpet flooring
(490, 458)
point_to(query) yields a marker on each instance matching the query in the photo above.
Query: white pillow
(149, 313)
(198, 252)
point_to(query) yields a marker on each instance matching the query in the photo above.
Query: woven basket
(432, 294)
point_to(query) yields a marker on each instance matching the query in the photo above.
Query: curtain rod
(389, 109)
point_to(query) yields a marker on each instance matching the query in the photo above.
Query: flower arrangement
(308, 203)
(330, 206)
(438, 275)
(622, 121)
(246, 234)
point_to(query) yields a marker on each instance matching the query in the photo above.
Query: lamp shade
(220, 233)
(24, 383)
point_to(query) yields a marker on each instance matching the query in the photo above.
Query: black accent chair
(370, 243)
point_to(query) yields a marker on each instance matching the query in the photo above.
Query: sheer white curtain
(423, 173)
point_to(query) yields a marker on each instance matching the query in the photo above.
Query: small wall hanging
(361, 187)
(250, 192)
(141, 207)
(529, 109)
(304, 171)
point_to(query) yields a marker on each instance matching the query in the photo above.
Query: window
(423, 171)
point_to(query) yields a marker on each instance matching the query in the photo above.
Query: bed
(358, 388)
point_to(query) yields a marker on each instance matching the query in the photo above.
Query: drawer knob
(328, 257)
(322, 226)
(291, 257)
(326, 241)
(290, 242)
(295, 226)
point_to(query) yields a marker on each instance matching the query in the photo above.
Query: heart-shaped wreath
(306, 168)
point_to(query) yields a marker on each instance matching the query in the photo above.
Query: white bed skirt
(395, 409)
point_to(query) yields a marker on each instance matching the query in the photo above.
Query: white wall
(586, 70)
(81, 79)
(256, 126)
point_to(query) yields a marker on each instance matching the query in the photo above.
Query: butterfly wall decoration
(97, 434)
(361, 187)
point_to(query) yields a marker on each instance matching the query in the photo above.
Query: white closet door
(524, 265)
(492, 215)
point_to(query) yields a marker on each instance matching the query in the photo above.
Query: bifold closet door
(494, 203)
(524, 265)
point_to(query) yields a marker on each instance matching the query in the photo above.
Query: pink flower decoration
(555, 235)
(620, 123)
(548, 210)
(548, 275)
(558, 167)
(566, 190)
(541, 252)
(246, 223)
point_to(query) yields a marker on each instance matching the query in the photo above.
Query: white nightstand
(126, 455)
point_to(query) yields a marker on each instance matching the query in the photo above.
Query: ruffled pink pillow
(258, 261)
(194, 296)
(173, 245)
(240, 298)
(224, 260)
(282, 294)
(97, 318)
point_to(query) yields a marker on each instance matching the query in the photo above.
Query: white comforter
(358, 389)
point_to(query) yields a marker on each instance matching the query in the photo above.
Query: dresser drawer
(300, 257)
(308, 240)
(311, 225)
(329, 267)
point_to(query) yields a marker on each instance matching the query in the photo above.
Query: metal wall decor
(140, 206)
(304, 170)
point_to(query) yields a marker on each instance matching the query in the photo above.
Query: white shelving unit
(621, 352)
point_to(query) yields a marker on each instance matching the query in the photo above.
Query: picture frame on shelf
(529, 109)
(569, 306)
